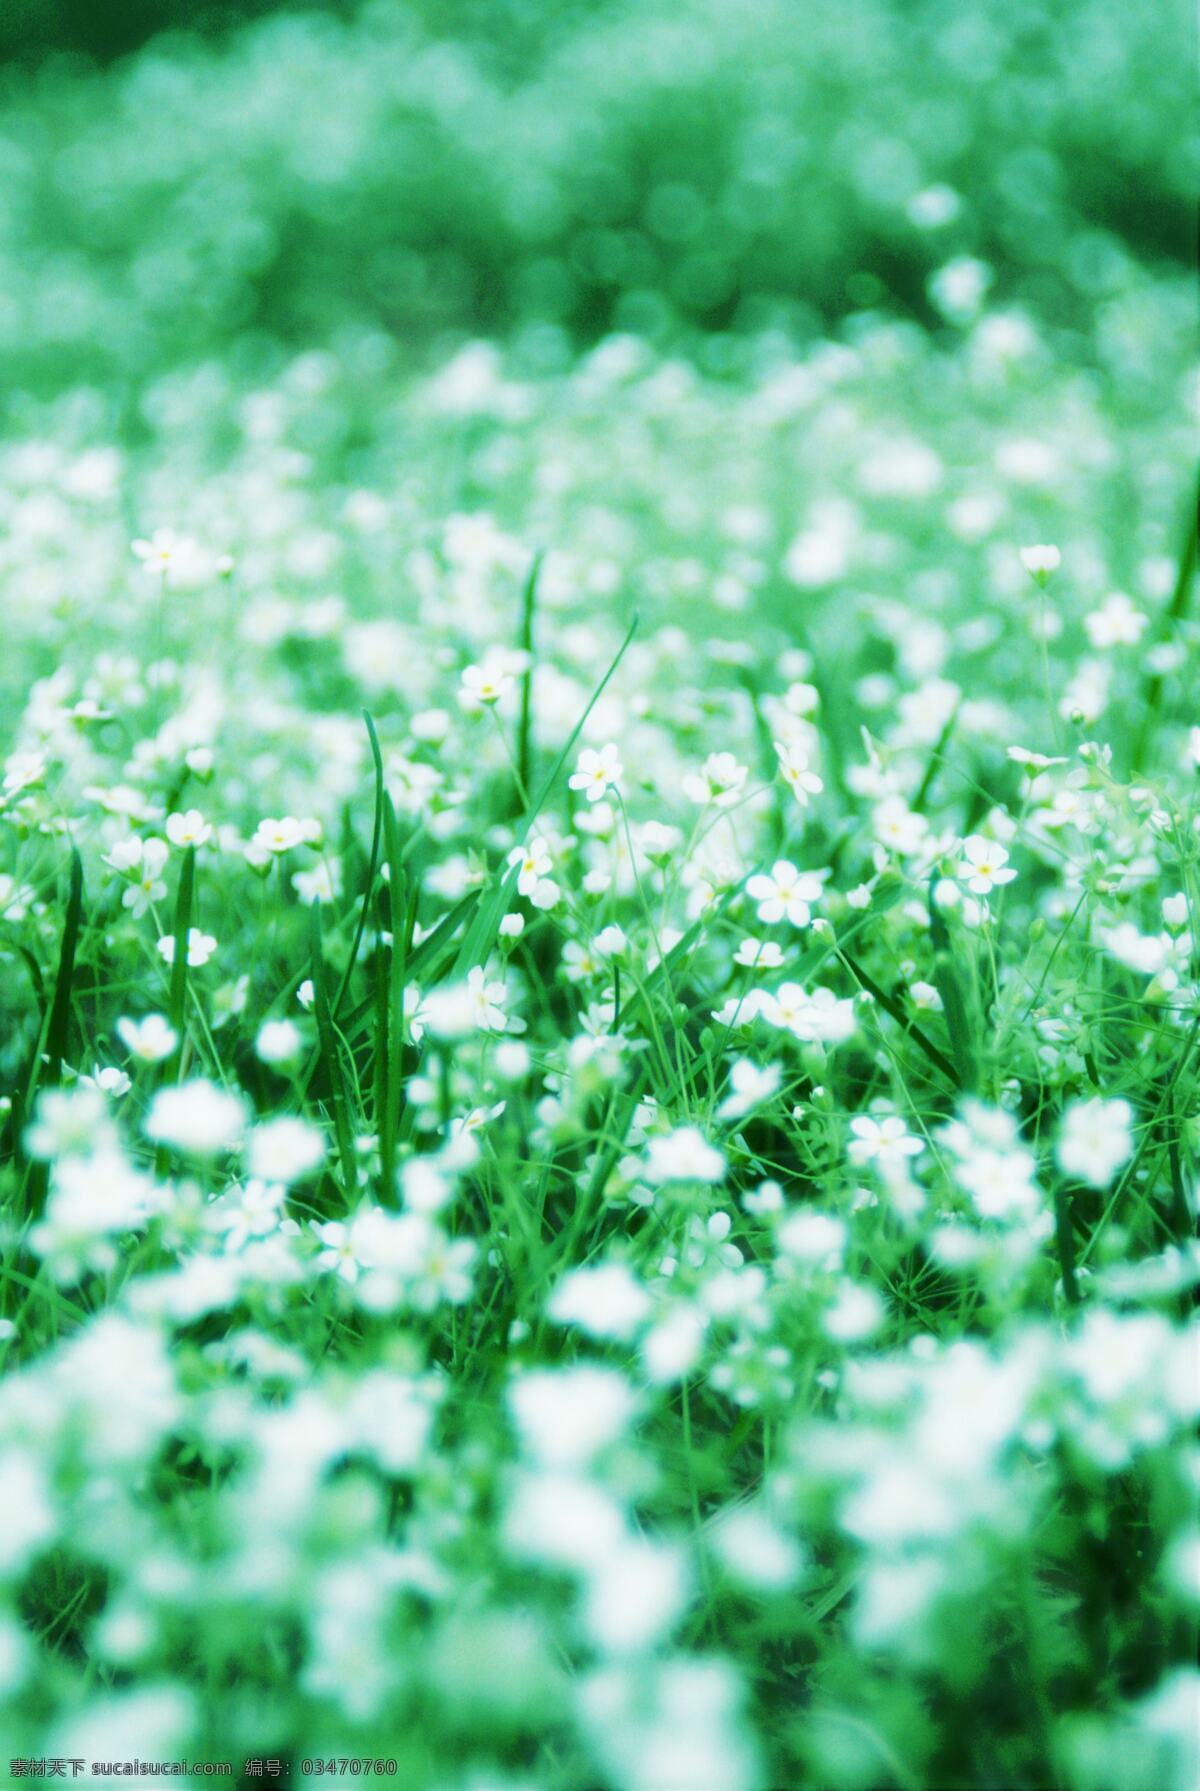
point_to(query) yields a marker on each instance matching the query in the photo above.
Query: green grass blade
(947, 979)
(891, 1006)
(184, 900)
(372, 867)
(525, 720)
(60, 1010)
(477, 946)
(328, 1043)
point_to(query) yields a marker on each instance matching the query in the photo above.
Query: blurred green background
(692, 170)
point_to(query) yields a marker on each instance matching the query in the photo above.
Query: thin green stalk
(184, 901)
(328, 1042)
(1176, 610)
(525, 721)
(372, 867)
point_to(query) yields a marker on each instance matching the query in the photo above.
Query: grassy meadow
(599, 860)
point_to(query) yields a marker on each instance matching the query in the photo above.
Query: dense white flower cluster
(655, 1183)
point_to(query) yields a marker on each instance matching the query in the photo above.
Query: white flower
(534, 861)
(660, 840)
(252, 1211)
(285, 1150)
(720, 781)
(69, 1122)
(1147, 953)
(1095, 1140)
(753, 1550)
(22, 770)
(820, 1017)
(109, 1081)
(984, 865)
(274, 837)
(150, 1039)
(814, 1237)
(684, 1155)
(188, 829)
(886, 1141)
(596, 771)
(959, 288)
(566, 1416)
(749, 1087)
(163, 552)
(487, 1001)
(760, 954)
(634, 1596)
(320, 884)
(794, 769)
(306, 994)
(897, 827)
(1117, 623)
(197, 1117)
(200, 948)
(143, 861)
(785, 893)
(448, 1012)
(512, 926)
(1175, 911)
(278, 1042)
(337, 1256)
(1041, 561)
(605, 1301)
(1032, 761)
(484, 685)
(610, 942)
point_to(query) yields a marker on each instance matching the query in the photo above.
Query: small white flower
(196, 1117)
(604, 1301)
(163, 552)
(684, 1155)
(150, 1040)
(337, 1256)
(483, 685)
(785, 893)
(487, 1001)
(1117, 623)
(534, 861)
(1032, 761)
(596, 771)
(278, 1042)
(886, 1141)
(109, 1081)
(200, 948)
(285, 1150)
(143, 861)
(897, 827)
(273, 837)
(720, 781)
(610, 942)
(795, 772)
(749, 1087)
(984, 865)
(188, 829)
(1175, 911)
(1041, 562)
(1096, 1140)
(760, 954)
